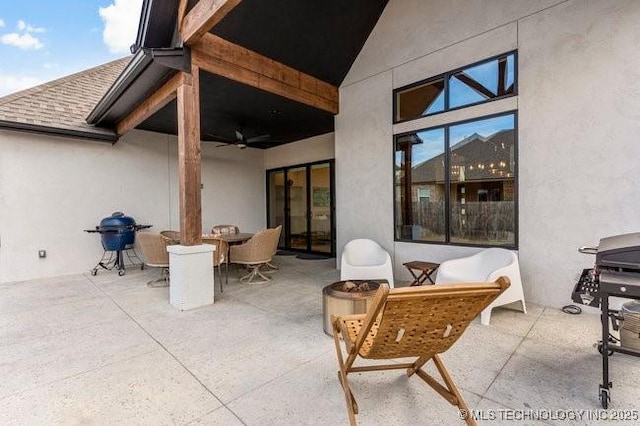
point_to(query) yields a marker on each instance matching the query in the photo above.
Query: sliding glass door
(300, 198)
(298, 208)
(321, 212)
(275, 203)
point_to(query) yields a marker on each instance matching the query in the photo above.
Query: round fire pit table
(338, 302)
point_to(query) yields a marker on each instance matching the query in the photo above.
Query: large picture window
(456, 183)
(471, 85)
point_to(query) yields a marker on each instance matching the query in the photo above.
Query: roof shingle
(62, 104)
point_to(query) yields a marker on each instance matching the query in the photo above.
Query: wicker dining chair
(172, 237)
(225, 230)
(154, 250)
(269, 267)
(220, 257)
(420, 322)
(254, 254)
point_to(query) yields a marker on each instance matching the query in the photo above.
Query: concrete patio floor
(108, 350)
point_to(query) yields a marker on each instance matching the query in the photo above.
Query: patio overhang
(270, 68)
(146, 72)
(206, 69)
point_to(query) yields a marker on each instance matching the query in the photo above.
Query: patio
(93, 350)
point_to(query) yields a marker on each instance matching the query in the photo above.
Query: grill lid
(117, 220)
(619, 251)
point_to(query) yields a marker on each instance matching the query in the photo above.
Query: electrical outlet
(42, 254)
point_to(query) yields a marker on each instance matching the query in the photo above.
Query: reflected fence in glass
(488, 222)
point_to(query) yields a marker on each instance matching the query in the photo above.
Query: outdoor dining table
(238, 238)
(234, 239)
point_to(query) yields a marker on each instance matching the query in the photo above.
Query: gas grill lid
(620, 251)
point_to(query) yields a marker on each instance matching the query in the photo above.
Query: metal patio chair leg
(254, 271)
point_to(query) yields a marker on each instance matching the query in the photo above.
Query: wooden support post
(189, 157)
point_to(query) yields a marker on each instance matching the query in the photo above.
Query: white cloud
(23, 26)
(24, 41)
(121, 20)
(2, 24)
(12, 83)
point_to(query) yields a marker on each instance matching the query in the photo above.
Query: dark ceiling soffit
(177, 59)
(46, 130)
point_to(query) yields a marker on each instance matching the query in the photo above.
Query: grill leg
(606, 384)
(120, 263)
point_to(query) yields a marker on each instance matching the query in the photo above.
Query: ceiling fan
(240, 140)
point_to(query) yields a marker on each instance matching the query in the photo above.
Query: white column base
(191, 276)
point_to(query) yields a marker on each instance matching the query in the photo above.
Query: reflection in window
(420, 186)
(421, 100)
(482, 178)
(489, 80)
(482, 82)
(480, 192)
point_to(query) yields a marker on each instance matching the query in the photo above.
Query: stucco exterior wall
(308, 150)
(578, 120)
(52, 188)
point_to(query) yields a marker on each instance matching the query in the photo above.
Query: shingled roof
(61, 106)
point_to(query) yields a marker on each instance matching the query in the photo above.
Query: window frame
(447, 183)
(446, 76)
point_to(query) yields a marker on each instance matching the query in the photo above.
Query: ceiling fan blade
(218, 138)
(260, 138)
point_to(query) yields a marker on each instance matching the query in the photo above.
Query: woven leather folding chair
(420, 322)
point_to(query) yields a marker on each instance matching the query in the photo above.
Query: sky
(433, 140)
(41, 40)
(460, 95)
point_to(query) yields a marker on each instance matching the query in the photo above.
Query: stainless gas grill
(616, 273)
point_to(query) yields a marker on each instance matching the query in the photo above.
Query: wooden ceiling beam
(204, 16)
(218, 56)
(182, 10)
(152, 104)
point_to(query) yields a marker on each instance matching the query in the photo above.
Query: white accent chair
(486, 266)
(364, 259)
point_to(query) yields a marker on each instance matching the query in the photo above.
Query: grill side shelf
(587, 289)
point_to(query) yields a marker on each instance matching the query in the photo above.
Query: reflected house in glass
(481, 195)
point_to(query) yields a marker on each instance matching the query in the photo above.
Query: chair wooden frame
(420, 322)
